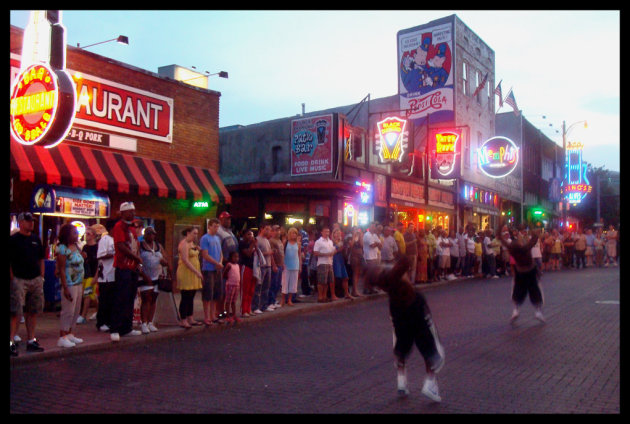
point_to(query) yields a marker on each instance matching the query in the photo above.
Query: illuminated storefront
(137, 149)
(483, 206)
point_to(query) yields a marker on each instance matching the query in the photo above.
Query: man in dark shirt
(526, 275)
(26, 266)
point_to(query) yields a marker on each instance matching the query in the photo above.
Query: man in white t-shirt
(444, 250)
(106, 277)
(324, 250)
(489, 255)
(371, 247)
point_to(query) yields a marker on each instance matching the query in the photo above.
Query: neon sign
(444, 161)
(576, 186)
(349, 215)
(37, 106)
(498, 157)
(392, 144)
(365, 191)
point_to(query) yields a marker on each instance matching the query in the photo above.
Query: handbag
(165, 282)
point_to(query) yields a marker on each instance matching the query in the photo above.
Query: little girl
(232, 275)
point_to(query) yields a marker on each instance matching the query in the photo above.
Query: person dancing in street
(526, 275)
(413, 323)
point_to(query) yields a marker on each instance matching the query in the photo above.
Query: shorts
(555, 256)
(90, 289)
(152, 287)
(324, 274)
(231, 293)
(211, 288)
(27, 295)
(527, 283)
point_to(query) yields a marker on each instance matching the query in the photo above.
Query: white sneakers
(146, 328)
(430, 389)
(64, 342)
(538, 315)
(69, 340)
(115, 337)
(133, 333)
(257, 312)
(104, 328)
(401, 379)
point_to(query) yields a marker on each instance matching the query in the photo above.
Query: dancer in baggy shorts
(526, 275)
(412, 322)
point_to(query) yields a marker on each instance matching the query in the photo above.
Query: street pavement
(336, 358)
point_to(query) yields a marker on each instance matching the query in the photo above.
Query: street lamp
(565, 132)
(122, 39)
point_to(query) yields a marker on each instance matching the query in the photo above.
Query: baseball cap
(25, 216)
(127, 206)
(224, 215)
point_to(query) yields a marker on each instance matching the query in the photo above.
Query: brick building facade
(165, 177)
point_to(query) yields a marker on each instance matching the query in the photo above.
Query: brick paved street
(339, 360)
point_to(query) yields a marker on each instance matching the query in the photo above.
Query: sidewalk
(47, 328)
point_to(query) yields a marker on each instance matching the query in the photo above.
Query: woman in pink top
(232, 275)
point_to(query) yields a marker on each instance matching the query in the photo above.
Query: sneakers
(13, 349)
(271, 307)
(81, 320)
(401, 379)
(74, 339)
(92, 317)
(33, 346)
(539, 316)
(104, 328)
(495, 276)
(257, 312)
(152, 327)
(17, 339)
(115, 337)
(65, 342)
(133, 333)
(145, 328)
(430, 389)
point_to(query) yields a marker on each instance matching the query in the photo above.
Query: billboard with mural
(426, 71)
(311, 145)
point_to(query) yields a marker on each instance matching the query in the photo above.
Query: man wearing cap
(127, 264)
(26, 266)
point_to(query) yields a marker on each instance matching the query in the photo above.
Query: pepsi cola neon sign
(498, 157)
(392, 145)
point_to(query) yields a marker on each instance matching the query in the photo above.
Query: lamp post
(565, 132)
(122, 39)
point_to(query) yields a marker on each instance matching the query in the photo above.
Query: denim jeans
(275, 285)
(261, 294)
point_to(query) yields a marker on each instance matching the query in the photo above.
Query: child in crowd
(232, 276)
